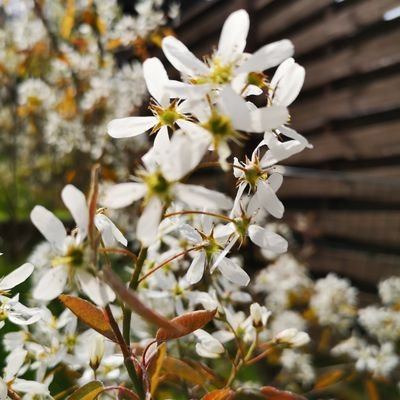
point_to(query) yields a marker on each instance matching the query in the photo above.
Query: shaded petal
(200, 197)
(51, 284)
(233, 272)
(161, 141)
(156, 78)
(291, 133)
(147, 227)
(268, 200)
(233, 36)
(16, 277)
(122, 194)
(268, 56)
(182, 58)
(95, 289)
(196, 269)
(130, 126)
(75, 201)
(267, 118)
(287, 82)
(49, 226)
(182, 90)
(221, 256)
(109, 232)
(15, 360)
(267, 239)
(31, 387)
(190, 233)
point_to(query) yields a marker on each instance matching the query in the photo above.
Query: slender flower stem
(126, 352)
(133, 284)
(119, 251)
(189, 212)
(168, 260)
(259, 357)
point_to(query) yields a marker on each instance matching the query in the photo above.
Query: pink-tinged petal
(292, 134)
(75, 201)
(182, 58)
(233, 36)
(130, 126)
(196, 269)
(268, 118)
(267, 239)
(234, 106)
(268, 56)
(122, 194)
(147, 227)
(268, 200)
(287, 82)
(109, 232)
(233, 272)
(200, 197)
(156, 78)
(51, 284)
(95, 289)
(16, 277)
(49, 226)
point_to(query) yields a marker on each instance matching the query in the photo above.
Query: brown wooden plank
(376, 141)
(367, 267)
(360, 99)
(354, 59)
(343, 24)
(271, 23)
(376, 227)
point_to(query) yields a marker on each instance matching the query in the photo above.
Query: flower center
(158, 185)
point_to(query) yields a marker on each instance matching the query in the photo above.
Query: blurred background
(68, 67)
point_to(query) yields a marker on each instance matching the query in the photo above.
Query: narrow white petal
(49, 226)
(221, 256)
(3, 390)
(267, 118)
(268, 200)
(22, 315)
(234, 106)
(16, 277)
(161, 141)
(14, 362)
(75, 201)
(233, 36)
(275, 180)
(267, 239)
(196, 269)
(268, 56)
(147, 227)
(233, 272)
(182, 58)
(200, 197)
(31, 387)
(182, 90)
(51, 284)
(122, 194)
(156, 78)
(95, 289)
(287, 82)
(109, 232)
(291, 133)
(130, 126)
(189, 233)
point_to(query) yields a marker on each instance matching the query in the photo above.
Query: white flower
(259, 315)
(96, 350)
(389, 290)
(208, 346)
(292, 337)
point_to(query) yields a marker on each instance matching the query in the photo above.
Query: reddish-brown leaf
(89, 314)
(219, 394)
(185, 324)
(272, 393)
(329, 378)
(182, 370)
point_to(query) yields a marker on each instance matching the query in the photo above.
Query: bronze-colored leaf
(183, 370)
(272, 393)
(88, 313)
(185, 324)
(329, 378)
(90, 391)
(219, 394)
(155, 367)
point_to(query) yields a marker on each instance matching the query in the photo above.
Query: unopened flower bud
(259, 315)
(292, 337)
(96, 351)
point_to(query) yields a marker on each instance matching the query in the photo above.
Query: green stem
(133, 284)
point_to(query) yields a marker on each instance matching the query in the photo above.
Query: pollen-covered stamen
(252, 172)
(258, 79)
(166, 116)
(242, 225)
(210, 245)
(157, 185)
(220, 73)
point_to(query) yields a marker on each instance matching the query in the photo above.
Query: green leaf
(90, 391)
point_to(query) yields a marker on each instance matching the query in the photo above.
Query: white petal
(268, 56)
(147, 227)
(49, 226)
(95, 289)
(200, 197)
(31, 387)
(233, 272)
(196, 269)
(21, 315)
(161, 141)
(75, 201)
(130, 126)
(267, 239)
(291, 133)
(14, 362)
(109, 232)
(275, 180)
(267, 118)
(51, 284)
(205, 352)
(233, 36)
(182, 90)
(182, 58)
(287, 82)
(235, 107)
(269, 200)
(16, 277)
(189, 233)
(156, 77)
(122, 194)
(3, 390)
